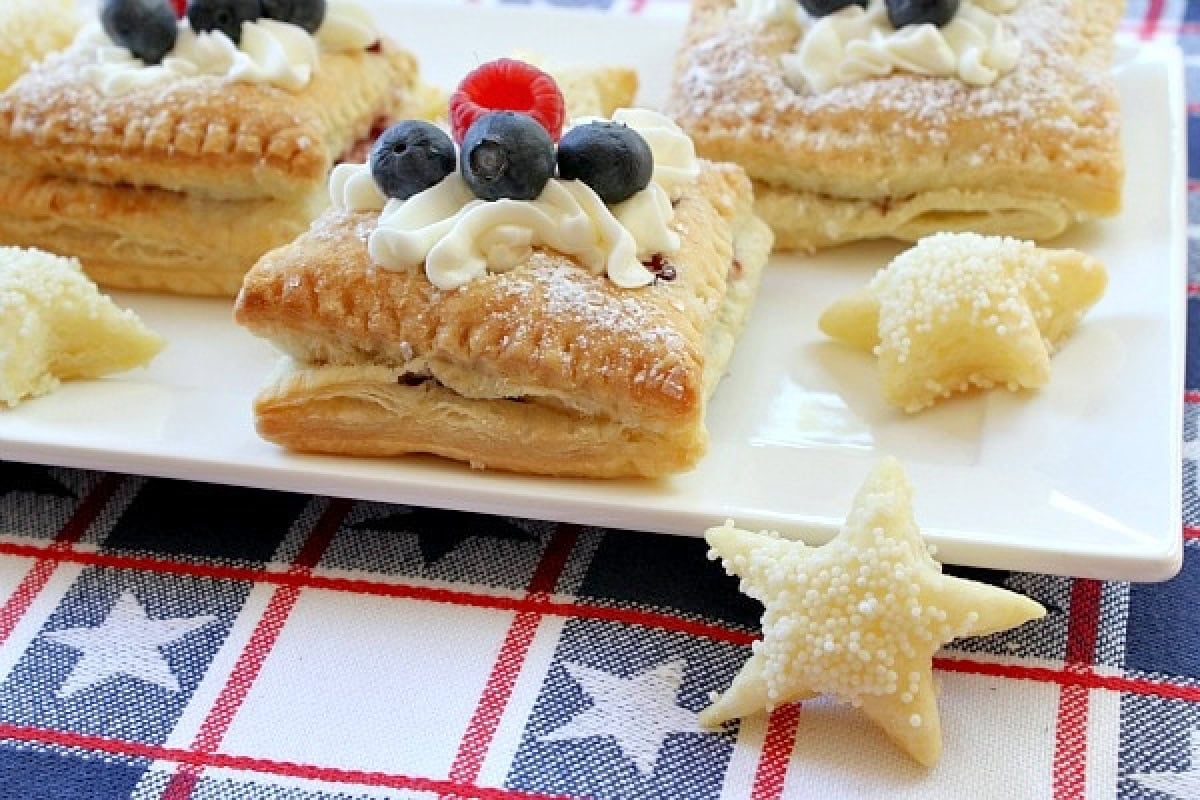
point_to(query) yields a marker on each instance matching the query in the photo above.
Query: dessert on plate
(899, 119)
(56, 326)
(464, 301)
(963, 311)
(170, 154)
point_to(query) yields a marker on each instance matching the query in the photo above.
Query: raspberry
(180, 7)
(507, 85)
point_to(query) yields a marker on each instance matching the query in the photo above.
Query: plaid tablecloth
(169, 639)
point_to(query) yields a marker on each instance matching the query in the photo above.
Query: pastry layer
(808, 221)
(545, 368)
(203, 135)
(1045, 136)
(139, 238)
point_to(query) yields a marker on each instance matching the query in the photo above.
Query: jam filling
(663, 270)
(360, 151)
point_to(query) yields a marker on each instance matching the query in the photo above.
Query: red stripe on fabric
(1070, 734)
(771, 773)
(481, 730)
(1190, 533)
(1085, 679)
(626, 616)
(263, 766)
(254, 655)
(1193, 185)
(629, 616)
(19, 602)
(1150, 23)
(1191, 396)
(554, 560)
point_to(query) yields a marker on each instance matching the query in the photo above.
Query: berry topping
(147, 28)
(821, 8)
(609, 157)
(507, 85)
(308, 14)
(226, 16)
(507, 155)
(410, 157)
(180, 8)
(917, 12)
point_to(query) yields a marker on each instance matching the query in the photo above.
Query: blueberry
(507, 154)
(147, 28)
(917, 12)
(308, 14)
(226, 16)
(821, 8)
(410, 157)
(609, 157)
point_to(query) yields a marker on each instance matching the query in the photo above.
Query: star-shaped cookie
(858, 618)
(55, 325)
(964, 310)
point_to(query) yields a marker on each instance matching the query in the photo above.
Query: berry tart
(512, 294)
(173, 143)
(901, 118)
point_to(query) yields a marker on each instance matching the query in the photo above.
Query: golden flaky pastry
(904, 156)
(545, 368)
(56, 326)
(859, 618)
(962, 310)
(182, 186)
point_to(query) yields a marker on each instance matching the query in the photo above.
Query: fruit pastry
(901, 118)
(964, 311)
(516, 304)
(31, 30)
(170, 153)
(55, 326)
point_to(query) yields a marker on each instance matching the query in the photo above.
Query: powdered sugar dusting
(739, 64)
(651, 347)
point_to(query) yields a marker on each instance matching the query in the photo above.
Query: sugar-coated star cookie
(859, 618)
(964, 310)
(31, 30)
(55, 325)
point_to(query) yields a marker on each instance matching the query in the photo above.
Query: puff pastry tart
(999, 119)
(177, 171)
(512, 334)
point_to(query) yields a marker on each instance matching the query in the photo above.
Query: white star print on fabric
(1184, 785)
(640, 712)
(126, 643)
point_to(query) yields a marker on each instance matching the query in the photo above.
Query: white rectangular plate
(1080, 478)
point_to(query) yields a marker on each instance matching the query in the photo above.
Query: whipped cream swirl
(855, 44)
(459, 237)
(271, 52)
